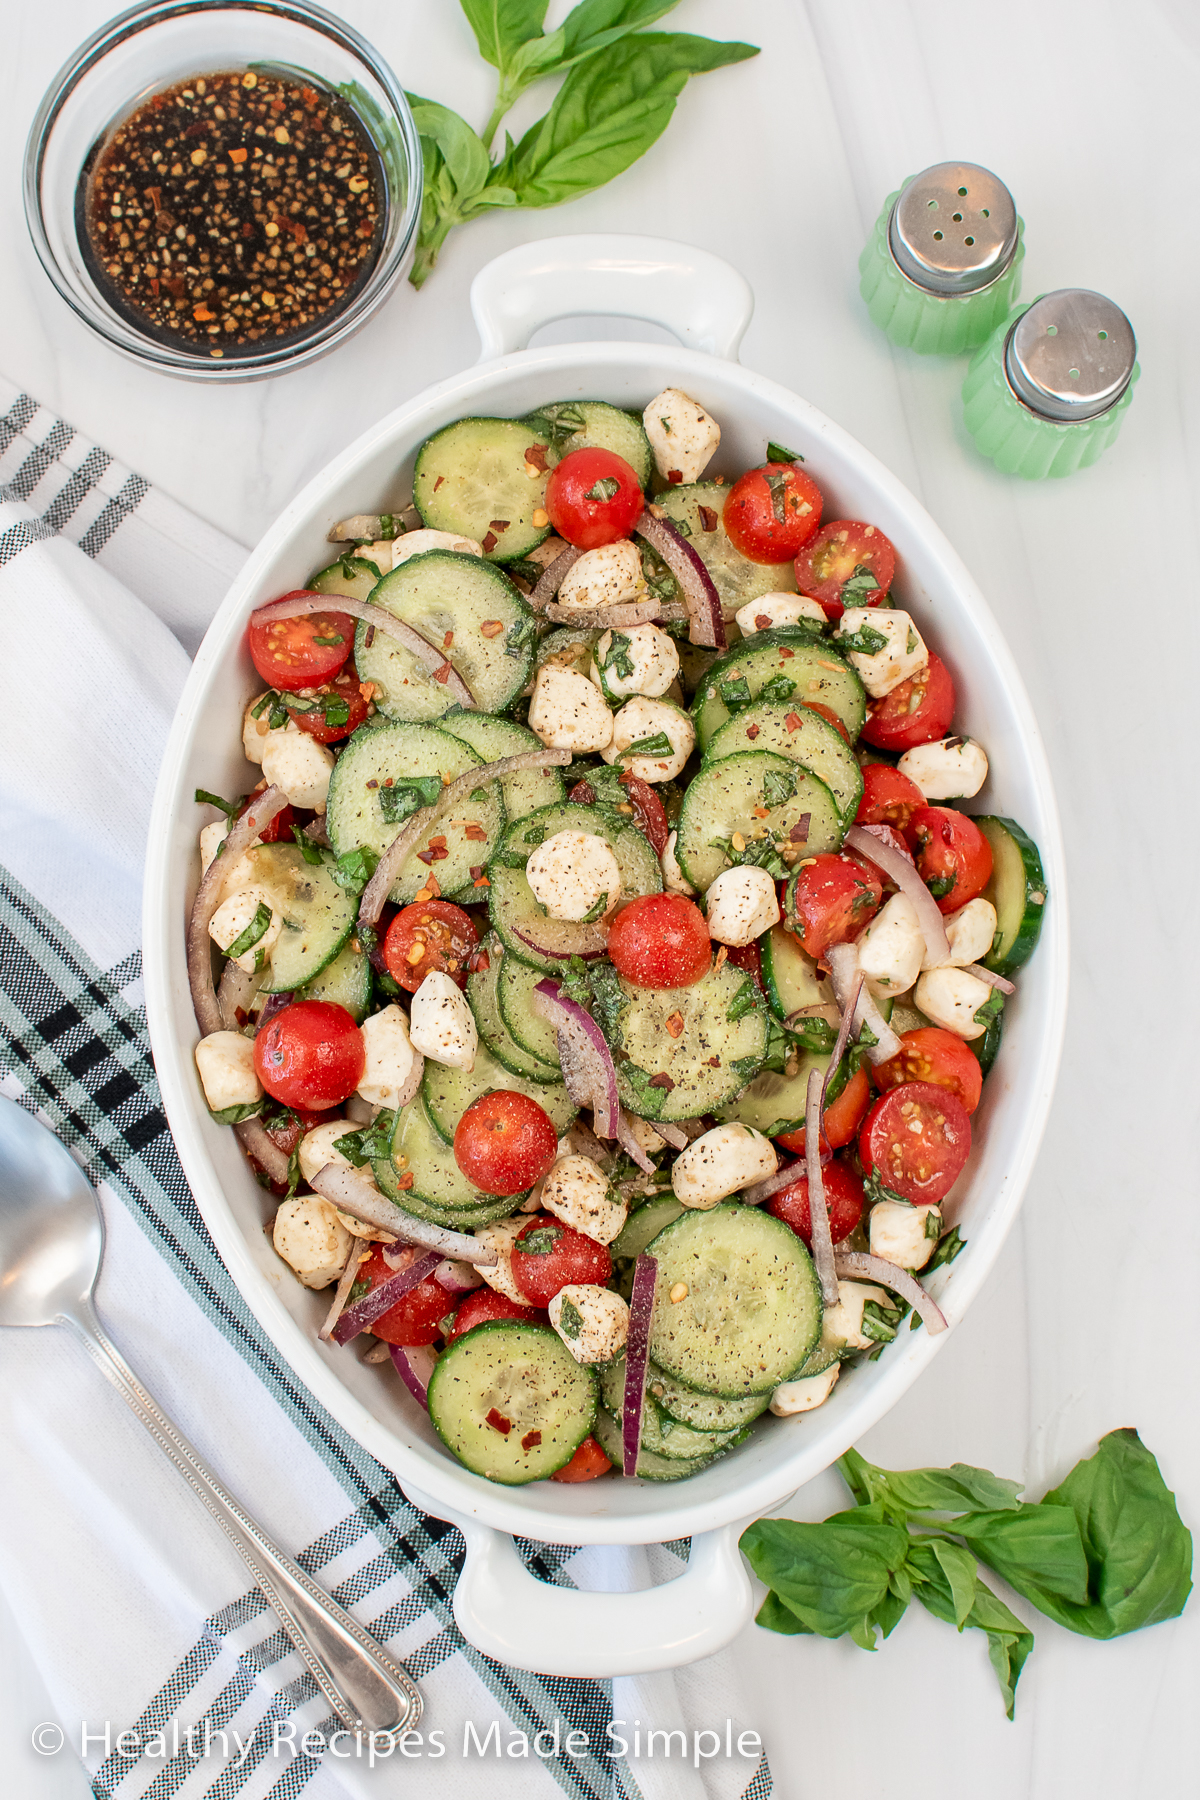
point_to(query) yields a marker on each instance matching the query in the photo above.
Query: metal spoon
(51, 1242)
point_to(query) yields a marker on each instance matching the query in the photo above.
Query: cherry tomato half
(919, 711)
(649, 813)
(505, 1142)
(548, 1256)
(430, 934)
(841, 1118)
(310, 1055)
(937, 1057)
(843, 1197)
(888, 798)
(954, 859)
(846, 551)
(279, 831)
(483, 1305)
(340, 707)
(660, 941)
(916, 1137)
(770, 513)
(292, 653)
(593, 498)
(417, 1316)
(588, 1462)
(835, 897)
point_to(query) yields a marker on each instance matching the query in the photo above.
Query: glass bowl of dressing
(224, 189)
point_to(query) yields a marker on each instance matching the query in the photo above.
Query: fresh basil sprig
(621, 86)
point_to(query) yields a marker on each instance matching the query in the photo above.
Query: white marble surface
(780, 165)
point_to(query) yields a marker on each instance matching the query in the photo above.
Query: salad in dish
(602, 970)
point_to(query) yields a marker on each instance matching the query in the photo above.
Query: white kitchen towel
(169, 1674)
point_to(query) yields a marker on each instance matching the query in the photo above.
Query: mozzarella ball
(211, 838)
(225, 1064)
(568, 712)
(500, 1239)
(842, 1324)
(592, 1321)
(310, 1237)
(416, 543)
(317, 1149)
(970, 932)
(891, 948)
(804, 1393)
(716, 1165)
(682, 435)
(902, 655)
(254, 731)
(572, 874)
(639, 719)
(442, 1024)
(390, 1057)
(742, 904)
(604, 577)
(647, 655)
(235, 915)
(673, 876)
(295, 762)
(770, 611)
(577, 1192)
(951, 998)
(904, 1235)
(954, 768)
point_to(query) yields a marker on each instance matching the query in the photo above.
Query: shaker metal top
(953, 229)
(1071, 355)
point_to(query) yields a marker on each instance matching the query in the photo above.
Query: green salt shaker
(1048, 391)
(942, 267)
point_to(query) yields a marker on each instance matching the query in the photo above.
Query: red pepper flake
(474, 834)
(437, 484)
(675, 1024)
(492, 627)
(435, 853)
(489, 543)
(788, 654)
(714, 1062)
(752, 731)
(662, 1080)
(499, 1423)
(406, 1181)
(236, 157)
(499, 525)
(372, 783)
(531, 1440)
(481, 881)
(760, 812)
(799, 832)
(447, 640)
(674, 476)
(203, 312)
(370, 637)
(583, 794)
(792, 721)
(442, 674)
(762, 620)
(722, 954)
(708, 517)
(536, 454)
(476, 871)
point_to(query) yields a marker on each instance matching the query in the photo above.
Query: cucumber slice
(447, 596)
(735, 578)
(1017, 890)
(664, 1432)
(799, 669)
(353, 576)
(482, 993)
(644, 1224)
(650, 1466)
(985, 1047)
(318, 915)
(686, 1052)
(695, 662)
(595, 425)
(440, 1190)
(704, 1412)
(378, 755)
(751, 1310)
(494, 739)
(773, 1103)
(510, 897)
(723, 798)
(535, 1035)
(907, 1017)
(346, 981)
(470, 476)
(790, 974)
(802, 735)
(520, 1374)
(448, 1092)
(568, 646)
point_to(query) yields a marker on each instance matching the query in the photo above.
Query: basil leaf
(778, 454)
(960, 1488)
(570, 1319)
(777, 482)
(948, 1247)
(735, 693)
(858, 586)
(743, 1002)
(659, 744)
(520, 635)
(370, 1144)
(337, 638)
(1009, 1643)
(233, 1115)
(358, 1291)
(596, 910)
(258, 927)
(781, 687)
(607, 488)
(992, 1007)
(228, 807)
(832, 1575)
(876, 1190)
(540, 1242)
(609, 1001)
(779, 785)
(879, 1323)
(815, 1034)
(759, 853)
(650, 1100)
(940, 886)
(866, 640)
(309, 851)
(1039, 1546)
(407, 795)
(617, 659)
(776, 1615)
(354, 869)
(501, 27)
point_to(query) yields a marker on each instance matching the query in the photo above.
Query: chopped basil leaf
(781, 687)
(933, 1223)
(743, 1002)
(912, 641)
(866, 640)
(940, 886)
(991, 1008)
(745, 1068)
(233, 1115)
(659, 744)
(204, 798)
(759, 853)
(407, 795)
(607, 488)
(257, 711)
(354, 869)
(309, 851)
(570, 1319)
(337, 638)
(650, 1100)
(779, 785)
(390, 526)
(857, 586)
(815, 1034)
(365, 1146)
(879, 1322)
(574, 985)
(540, 1242)
(778, 484)
(735, 693)
(597, 910)
(876, 1191)
(780, 454)
(949, 1246)
(337, 711)
(617, 660)
(359, 1291)
(520, 635)
(608, 1000)
(557, 422)
(259, 925)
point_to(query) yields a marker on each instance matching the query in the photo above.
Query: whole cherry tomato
(660, 941)
(593, 497)
(841, 1118)
(916, 1139)
(835, 897)
(954, 859)
(771, 513)
(845, 551)
(301, 652)
(888, 798)
(919, 711)
(843, 1198)
(505, 1142)
(588, 1462)
(429, 934)
(548, 1256)
(339, 707)
(483, 1305)
(932, 1055)
(310, 1055)
(417, 1316)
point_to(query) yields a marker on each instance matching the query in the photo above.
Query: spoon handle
(362, 1684)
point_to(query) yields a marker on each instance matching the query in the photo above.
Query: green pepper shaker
(942, 267)
(1047, 393)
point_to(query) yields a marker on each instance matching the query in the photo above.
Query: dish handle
(703, 300)
(510, 1615)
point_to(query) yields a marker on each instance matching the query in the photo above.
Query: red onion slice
(257, 1142)
(414, 1364)
(296, 606)
(991, 977)
(630, 1145)
(351, 1194)
(853, 1265)
(844, 1024)
(275, 1004)
(606, 618)
(374, 895)
(561, 939)
(818, 1211)
(695, 582)
(587, 1063)
(457, 1277)
(637, 1359)
(551, 578)
(763, 1190)
(843, 970)
(235, 991)
(359, 1252)
(381, 1299)
(674, 1135)
(581, 1140)
(902, 871)
(242, 833)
